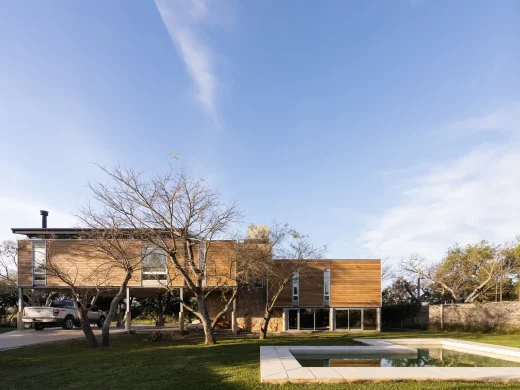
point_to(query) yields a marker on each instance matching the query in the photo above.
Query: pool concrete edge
(278, 365)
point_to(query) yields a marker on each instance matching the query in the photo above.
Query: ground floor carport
(181, 293)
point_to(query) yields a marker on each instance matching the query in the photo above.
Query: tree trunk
(105, 332)
(265, 323)
(160, 311)
(225, 309)
(205, 319)
(119, 323)
(85, 327)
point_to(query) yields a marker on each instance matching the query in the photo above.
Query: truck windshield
(67, 304)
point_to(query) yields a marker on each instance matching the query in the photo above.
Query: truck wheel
(100, 322)
(39, 326)
(68, 324)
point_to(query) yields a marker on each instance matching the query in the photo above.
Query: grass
(135, 362)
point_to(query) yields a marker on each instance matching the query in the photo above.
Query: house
(338, 294)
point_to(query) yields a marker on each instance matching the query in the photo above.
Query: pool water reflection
(426, 357)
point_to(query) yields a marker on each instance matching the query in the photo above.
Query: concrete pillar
(181, 310)
(181, 321)
(284, 320)
(331, 319)
(378, 319)
(128, 315)
(234, 326)
(19, 322)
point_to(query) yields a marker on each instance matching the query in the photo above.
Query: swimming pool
(424, 357)
(377, 360)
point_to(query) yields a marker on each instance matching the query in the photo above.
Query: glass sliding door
(342, 319)
(293, 319)
(321, 319)
(306, 319)
(369, 319)
(354, 322)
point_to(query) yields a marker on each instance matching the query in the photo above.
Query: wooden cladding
(311, 286)
(86, 265)
(25, 263)
(220, 265)
(353, 283)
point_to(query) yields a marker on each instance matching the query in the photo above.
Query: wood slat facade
(25, 263)
(353, 283)
(88, 266)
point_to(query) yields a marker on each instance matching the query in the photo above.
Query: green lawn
(135, 362)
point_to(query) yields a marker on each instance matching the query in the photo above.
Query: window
(257, 283)
(154, 265)
(202, 255)
(39, 263)
(63, 304)
(296, 289)
(326, 287)
(202, 259)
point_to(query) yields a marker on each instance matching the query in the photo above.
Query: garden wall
(485, 316)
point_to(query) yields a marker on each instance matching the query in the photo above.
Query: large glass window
(154, 265)
(321, 319)
(293, 319)
(39, 262)
(355, 319)
(326, 287)
(307, 319)
(341, 319)
(369, 319)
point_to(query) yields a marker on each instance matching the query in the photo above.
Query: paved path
(22, 338)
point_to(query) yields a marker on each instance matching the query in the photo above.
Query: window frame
(39, 282)
(147, 251)
(326, 287)
(295, 292)
(257, 283)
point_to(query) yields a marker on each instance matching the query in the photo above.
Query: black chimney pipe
(44, 215)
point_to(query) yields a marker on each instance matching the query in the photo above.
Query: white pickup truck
(61, 312)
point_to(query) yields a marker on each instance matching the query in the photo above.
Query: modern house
(342, 294)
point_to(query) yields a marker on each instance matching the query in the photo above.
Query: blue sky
(381, 128)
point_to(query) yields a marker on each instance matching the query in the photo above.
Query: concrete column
(181, 310)
(234, 326)
(378, 319)
(331, 319)
(19, 322)
(128, 315)
(284, 320)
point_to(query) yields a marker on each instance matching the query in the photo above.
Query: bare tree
(105, 235)
(9, 263)
(285, 256)
(178, 215)
(85, 279)
(387, 271)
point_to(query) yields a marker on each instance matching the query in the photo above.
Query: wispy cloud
(464, 200)
(183, 19)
